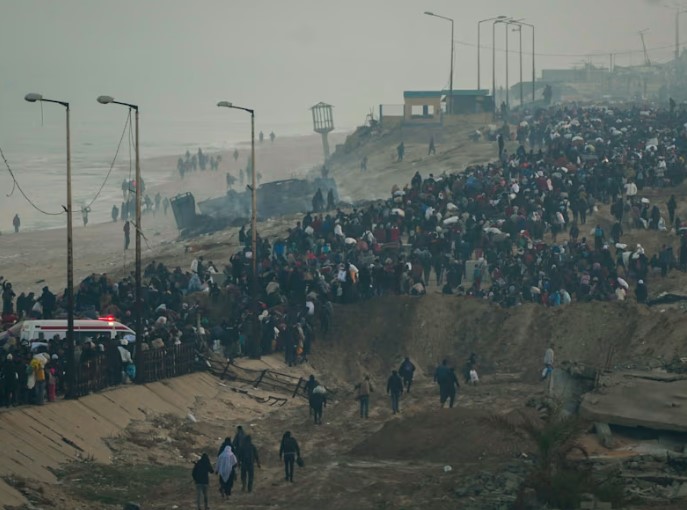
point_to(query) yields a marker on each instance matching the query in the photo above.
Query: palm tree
(554, 477)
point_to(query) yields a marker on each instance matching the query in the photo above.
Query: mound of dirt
(443, 436)
(374, 336)
(455, 151)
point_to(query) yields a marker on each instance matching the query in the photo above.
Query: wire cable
(572, 55)
(14, 186)
(16, 183)
(126, 124)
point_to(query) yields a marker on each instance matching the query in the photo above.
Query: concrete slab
(32, 438)
(636, 402)
(10, 496)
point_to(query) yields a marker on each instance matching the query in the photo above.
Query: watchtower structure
(323, 123)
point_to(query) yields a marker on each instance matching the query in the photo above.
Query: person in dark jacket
(236, 443)
(641, 292)
(48, 301)
(407, 371)
(318, 401)
(225, 443)
(442, 376)
(11, 381)
(452, 387)
(394, 387)
(201, 476)
(310, 385)
(248, 458)
(289, 451)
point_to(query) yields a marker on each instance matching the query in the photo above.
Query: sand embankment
(36, 440)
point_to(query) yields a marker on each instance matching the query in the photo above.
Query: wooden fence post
(224, 372)
(257, 383)
(298, 387)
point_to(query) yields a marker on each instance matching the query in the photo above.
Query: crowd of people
(491, 231)
(239, 457)
(527, 227)
(518, 229)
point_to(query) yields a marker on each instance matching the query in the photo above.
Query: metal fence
(167, 362)
(91, 375)
(101, 371)
(268, 380)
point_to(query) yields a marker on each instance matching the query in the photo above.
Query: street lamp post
(519, 30)
(138, 329)
(506, 31)
(450, 86)
(507, 24)
(533, 57)
(493, 58)
(479, 48)
(256, 348)
(71, 362)
(678, 10)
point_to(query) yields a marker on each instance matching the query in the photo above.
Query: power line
(16, 183)
(126, 124)
(573, 55)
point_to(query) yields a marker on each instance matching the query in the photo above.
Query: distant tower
(323, 123)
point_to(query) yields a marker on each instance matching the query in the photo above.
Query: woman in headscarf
(225, 468)
(227, 442)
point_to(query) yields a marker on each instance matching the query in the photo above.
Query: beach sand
(33, 259)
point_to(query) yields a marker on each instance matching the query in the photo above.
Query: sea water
(36, 152)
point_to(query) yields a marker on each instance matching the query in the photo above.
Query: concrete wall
(33, 439)
(433, 102)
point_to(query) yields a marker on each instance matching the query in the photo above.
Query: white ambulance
(41, 331)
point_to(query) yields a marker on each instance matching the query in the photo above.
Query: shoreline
(34, 258)
(286, 157)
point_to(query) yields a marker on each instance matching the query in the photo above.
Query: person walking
(225, 443)
(238, 438)
(127, 234)
(318, 401)
(400, 151)
(84, 214)
(364, 389)
(641, 292)
(407, 371)
(672, 206)
(442, 376)
(548, 362)
(38, 366)
(11, 377)
(290, 452)
(248, 458)
(201, 476)
(432, 148)
(16, 223)
(394, 388)
(226, 463)
(453, 386)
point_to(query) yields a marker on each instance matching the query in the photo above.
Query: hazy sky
(177, 58)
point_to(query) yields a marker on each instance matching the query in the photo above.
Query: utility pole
(647, 61)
